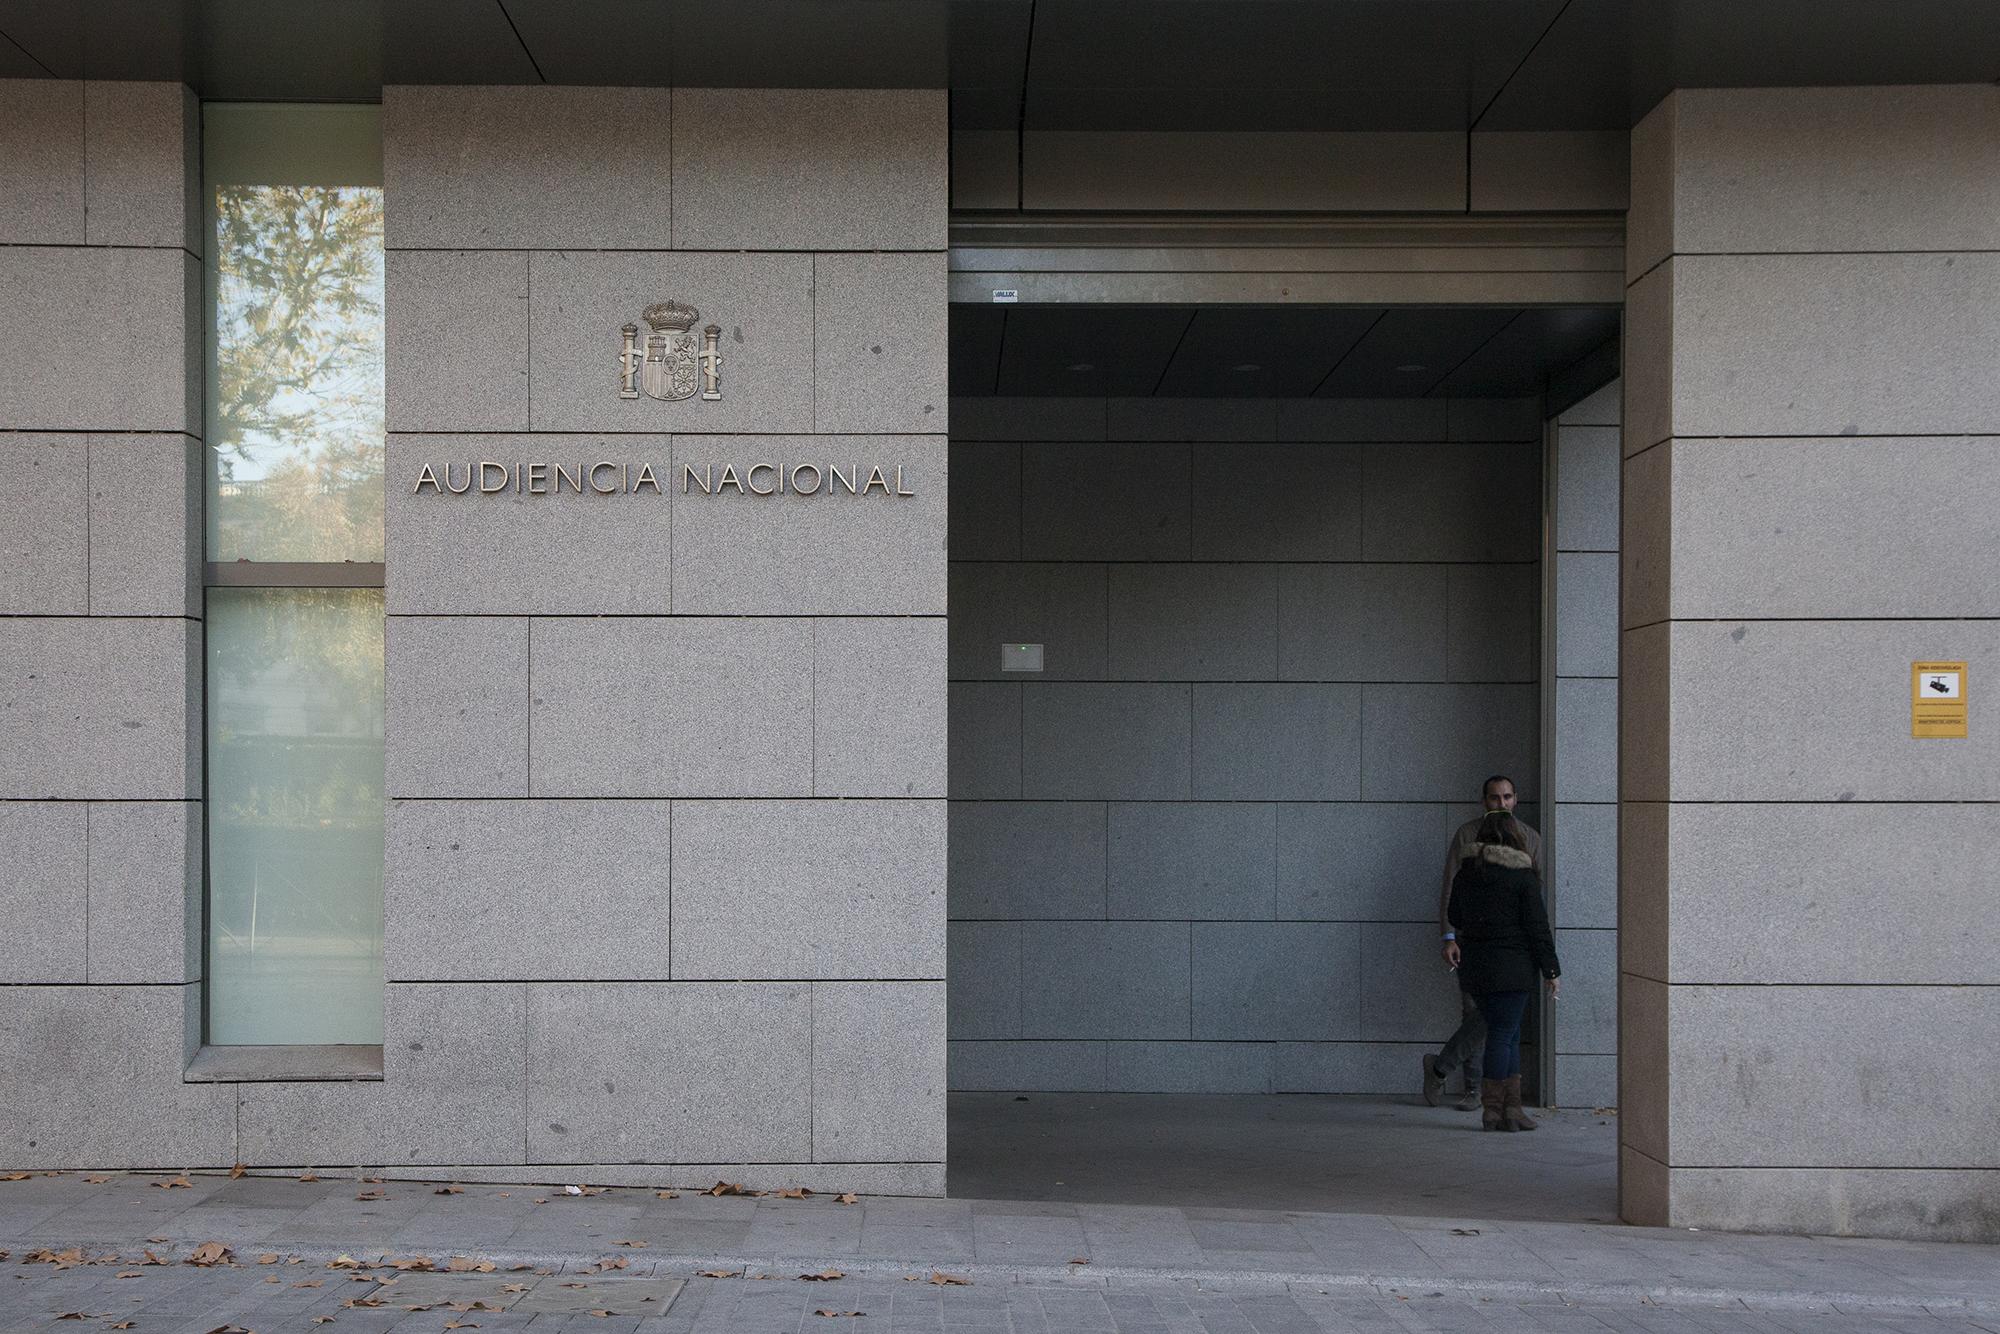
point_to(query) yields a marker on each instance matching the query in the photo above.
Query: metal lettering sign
(670, 363)
(617, 477)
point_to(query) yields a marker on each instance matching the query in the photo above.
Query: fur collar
(1499, 854)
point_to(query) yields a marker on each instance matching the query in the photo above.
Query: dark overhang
(1042, 64)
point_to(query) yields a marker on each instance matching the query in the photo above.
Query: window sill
(269, 1065)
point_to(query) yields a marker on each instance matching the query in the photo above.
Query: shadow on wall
(1283, 642)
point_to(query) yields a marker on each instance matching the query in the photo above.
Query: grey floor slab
(1326, 1154)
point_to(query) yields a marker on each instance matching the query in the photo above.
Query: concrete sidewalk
(630, 1259)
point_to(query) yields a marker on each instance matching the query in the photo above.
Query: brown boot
(1511, 1110)
(1492, 1105)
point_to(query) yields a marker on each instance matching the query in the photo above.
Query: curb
(1375, 1284)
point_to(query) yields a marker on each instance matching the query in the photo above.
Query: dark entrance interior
(1245, 602)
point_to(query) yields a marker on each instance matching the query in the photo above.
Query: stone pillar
(100, 629)
(1810, 957)
(666, 842)
(1582, 796)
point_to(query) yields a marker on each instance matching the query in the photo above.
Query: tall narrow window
(294, 628)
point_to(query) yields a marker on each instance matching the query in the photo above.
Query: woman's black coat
(1503, 930)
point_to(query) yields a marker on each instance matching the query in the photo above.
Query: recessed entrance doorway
(1246, 600)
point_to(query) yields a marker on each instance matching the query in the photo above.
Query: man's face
(1500, 796)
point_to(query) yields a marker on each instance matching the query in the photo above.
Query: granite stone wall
(1283, 642)
(665, 882)
(101, 629)
(1811, 963)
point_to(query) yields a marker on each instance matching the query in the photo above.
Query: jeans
(1463, 1047)
(1503, 1011)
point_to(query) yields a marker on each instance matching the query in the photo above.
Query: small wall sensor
(1020, 657)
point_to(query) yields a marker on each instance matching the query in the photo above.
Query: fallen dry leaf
(157, 1240)
(635, 1245)
(795, 1193)
(322, 1320)
(720, 1273)
(126, 1324)
(515, 1269)
(307, 1283)
(362, 1301)
(469, 1306)
(274, 1279)
(237, 1171)
(128, 1273)
(408, 1262)
(303, 1178)
(371, 1181)
(231, 1329)
(1465, 1232)
(75, 1315)
(459, 1264)
(208, 1253)
(613, 1262)
(449, 1190)
(460, 1324)
(838, 1314)
(823, 1276)
(849, 1198)
(513, 1287)
(60, 1259)
(172, 1182)
(572, 1285)
(345, 1262)
(152, 1259)
(600, 1314)
(726, 1188)
(97, 1181)
(668, 1194)
(1079, 1259)
(371, 1195)
(360, 1278)
(267, 1259)
(944, 1280)
(16, 1176)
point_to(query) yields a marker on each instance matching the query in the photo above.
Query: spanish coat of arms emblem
(670, 362)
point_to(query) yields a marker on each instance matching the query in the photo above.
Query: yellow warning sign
(1937, 699)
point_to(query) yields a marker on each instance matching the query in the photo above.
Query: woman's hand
(1554, 985)
(1451, 955)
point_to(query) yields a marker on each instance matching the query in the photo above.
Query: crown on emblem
(675, 315)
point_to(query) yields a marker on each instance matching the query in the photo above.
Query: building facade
(554, 720)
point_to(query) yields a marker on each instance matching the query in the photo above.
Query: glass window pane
(295, 801)
(295, 395)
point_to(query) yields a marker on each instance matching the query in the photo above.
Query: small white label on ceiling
(1006, 296)
(1020, 657)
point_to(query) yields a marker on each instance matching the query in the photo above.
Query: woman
(1504, 943)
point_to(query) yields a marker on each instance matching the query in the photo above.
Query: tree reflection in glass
(297, 415)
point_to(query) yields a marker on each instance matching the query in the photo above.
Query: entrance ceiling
(1042, 64)
(1271, 351)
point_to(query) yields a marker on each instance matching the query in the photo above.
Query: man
(1466, 1049)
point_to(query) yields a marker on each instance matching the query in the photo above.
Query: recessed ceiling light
(1246, 367)
(1410, 368)
(1081, 366)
